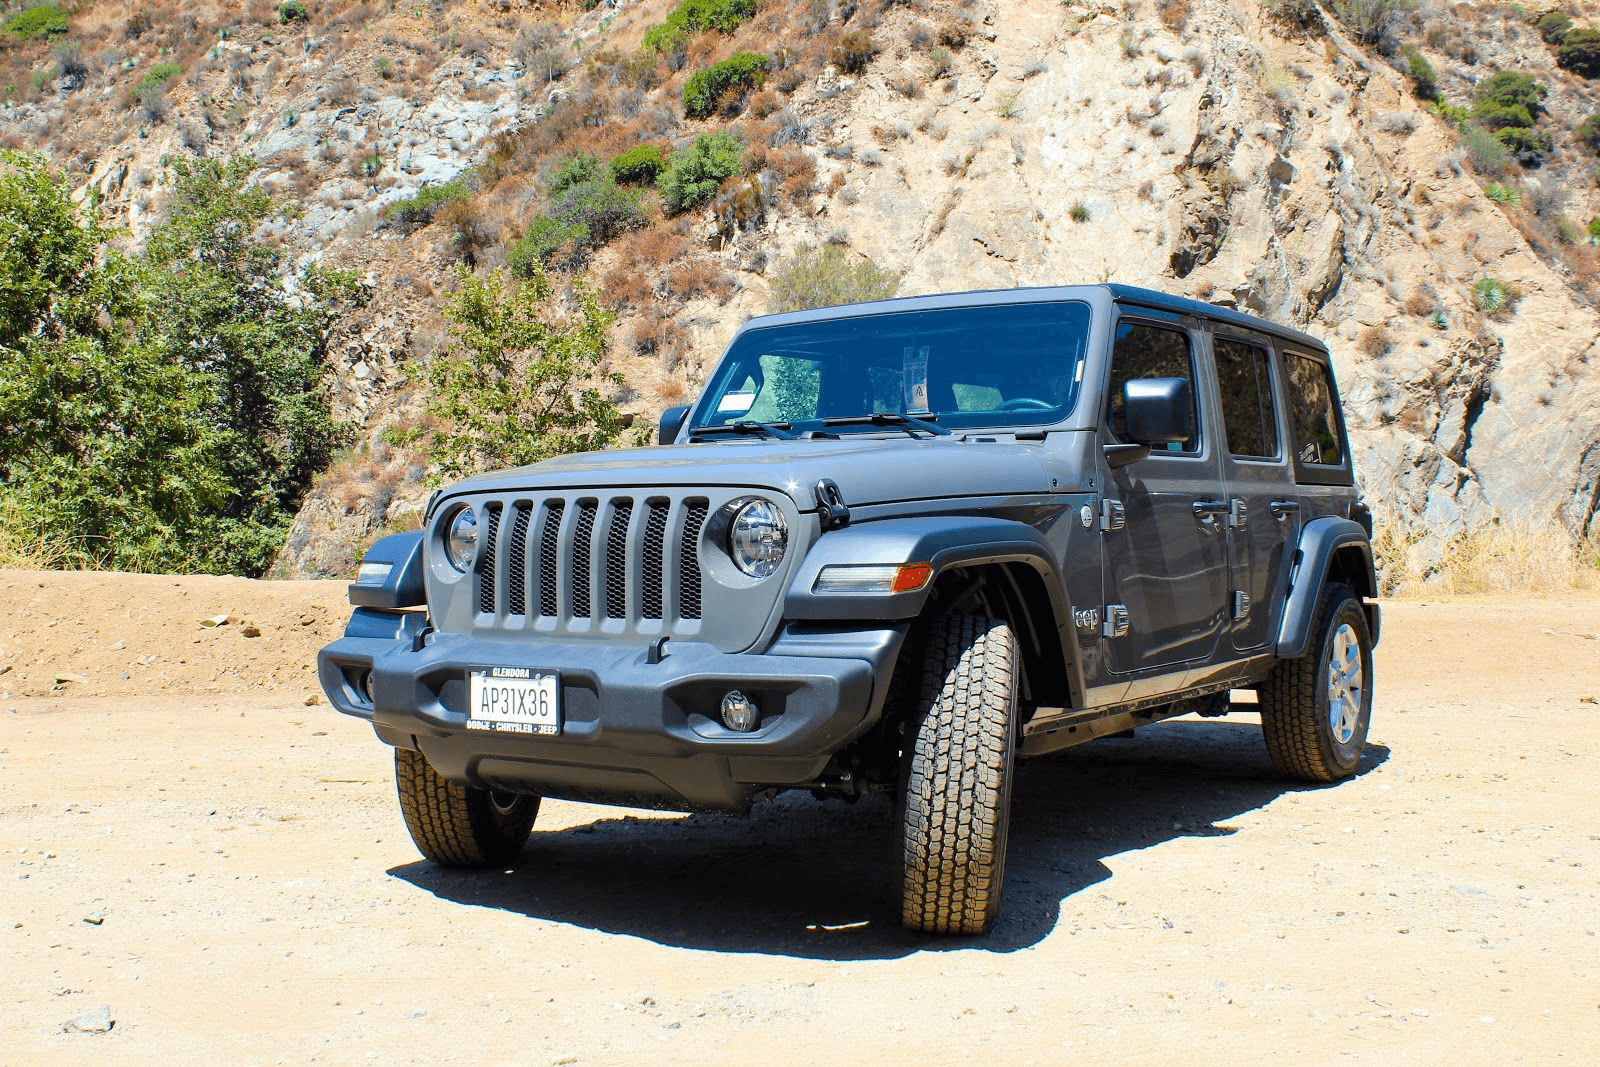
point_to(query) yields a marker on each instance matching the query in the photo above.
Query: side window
(1313, 422)
(1248, 415)
(1144, 351)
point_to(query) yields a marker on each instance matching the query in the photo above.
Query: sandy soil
(185, 841)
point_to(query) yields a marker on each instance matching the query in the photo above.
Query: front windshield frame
(953, 366)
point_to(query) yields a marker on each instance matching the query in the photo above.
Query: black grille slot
(486, 569)
(582, 561)
(689, 561)
(517, 562)
(654, 570)
(617, 560)
(550, 558)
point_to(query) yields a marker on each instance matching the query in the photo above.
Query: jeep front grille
(620, 557)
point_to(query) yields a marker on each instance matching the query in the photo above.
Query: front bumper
(633, 731)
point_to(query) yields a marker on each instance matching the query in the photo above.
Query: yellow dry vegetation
(1508, 557)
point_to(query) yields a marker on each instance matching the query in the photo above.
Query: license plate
(516, 700)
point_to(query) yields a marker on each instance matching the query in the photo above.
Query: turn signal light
(872, 579)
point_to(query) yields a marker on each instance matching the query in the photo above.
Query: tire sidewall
(1343, 758)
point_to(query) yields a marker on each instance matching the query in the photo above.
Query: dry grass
(23, 548)
(1518, 558)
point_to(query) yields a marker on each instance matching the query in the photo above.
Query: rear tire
(1315, 710)
(956, 778)
(457, 825)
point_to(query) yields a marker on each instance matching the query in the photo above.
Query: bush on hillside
(739, 74)
(155, 82)
(292, 11)
(694, 174)
(1588, 133)
(1424, 79)
(573, 170)
(1580, 52)
(638, 166)
(1487, 156)
(1553, 27)
(420, 209)
(42, 21)
(693, 16)
(826, 277)
(853, 52)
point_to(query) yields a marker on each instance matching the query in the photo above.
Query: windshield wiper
(779, 430)
(898, 420)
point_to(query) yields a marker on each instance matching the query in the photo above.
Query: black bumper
(633, 732)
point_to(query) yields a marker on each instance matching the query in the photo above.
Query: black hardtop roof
(1123, 294)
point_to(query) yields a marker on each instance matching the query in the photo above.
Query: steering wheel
(1025, 403)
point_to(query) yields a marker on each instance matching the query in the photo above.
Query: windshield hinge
(831, 507)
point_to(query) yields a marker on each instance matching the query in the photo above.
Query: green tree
(105, 456)
(813, 279)
(519, 384)
(226, 313)
(1580, 52)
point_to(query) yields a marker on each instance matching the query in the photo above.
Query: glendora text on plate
(518, 700)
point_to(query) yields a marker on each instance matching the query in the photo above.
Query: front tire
(956, 778)
(457, 825)
(1315, 710)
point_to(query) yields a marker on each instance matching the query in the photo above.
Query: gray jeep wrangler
(892, 547)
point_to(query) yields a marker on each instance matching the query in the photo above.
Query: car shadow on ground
(817, 880)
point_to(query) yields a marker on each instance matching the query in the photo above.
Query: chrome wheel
(1346, 684)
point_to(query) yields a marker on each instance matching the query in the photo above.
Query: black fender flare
(401, 586)
(1320, 540)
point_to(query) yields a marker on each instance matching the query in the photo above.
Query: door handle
(1207, 511)
(1282, 509)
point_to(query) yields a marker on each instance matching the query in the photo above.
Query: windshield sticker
(736, 403)
(915, 374)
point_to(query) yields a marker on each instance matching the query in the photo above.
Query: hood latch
(831, 507)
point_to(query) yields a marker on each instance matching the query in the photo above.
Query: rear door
(1263, 516)
(1166, 545)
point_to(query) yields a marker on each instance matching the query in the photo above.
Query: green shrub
(825, 278)
(694, 174)
(1502, 194)
(599, 208)
(1580, 52)
(1424, 79)
(1493, 297)
(155, 81)
(571, 171)
(292, 11)
(1454, 114)
(693, 16)
(741, 72)
(1588, 133)
(1079, 211)
(638, 166)
(1372, 22)
(1553, 27)
(1567, 231)
(1513, 93)
(420, 209)
(1594, 228)
(545, 238)
(1528, 146)
(1486, 154)
(43, 21)
(853, 52)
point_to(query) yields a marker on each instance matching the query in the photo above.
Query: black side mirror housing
(1158, 411)
(672, 421)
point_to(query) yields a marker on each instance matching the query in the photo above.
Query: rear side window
(1144, 351)
(1248, 414)
(1313, 420)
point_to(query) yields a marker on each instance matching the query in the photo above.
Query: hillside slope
(1212, 149)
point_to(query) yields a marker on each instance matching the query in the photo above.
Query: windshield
(960, 367)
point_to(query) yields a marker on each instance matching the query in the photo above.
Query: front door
(1164, 518)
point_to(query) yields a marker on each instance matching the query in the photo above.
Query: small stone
(417, 1013)
(94, 1021)
(94, 918)
(118, 646)
(251, 630)
(312, 700)
(70, 679)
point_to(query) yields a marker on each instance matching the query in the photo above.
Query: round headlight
(757, 538)
(461, 539)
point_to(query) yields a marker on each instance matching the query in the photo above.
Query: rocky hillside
(1331, 168)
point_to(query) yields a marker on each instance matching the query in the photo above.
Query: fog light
(739, 713)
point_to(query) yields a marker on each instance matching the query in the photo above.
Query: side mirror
(1157, 411)
(672, 421)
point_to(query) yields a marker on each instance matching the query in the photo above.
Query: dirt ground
(194, 840)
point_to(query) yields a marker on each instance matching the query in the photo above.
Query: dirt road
(225, 868)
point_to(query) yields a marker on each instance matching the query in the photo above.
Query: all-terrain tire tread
(1291, 711)
(956, 791)
(456, 825)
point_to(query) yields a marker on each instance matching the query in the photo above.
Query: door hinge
(1113, 516)
(1238, 514)
(1241, 604)
(1117, 621)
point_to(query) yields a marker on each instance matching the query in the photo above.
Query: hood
(867, 470)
